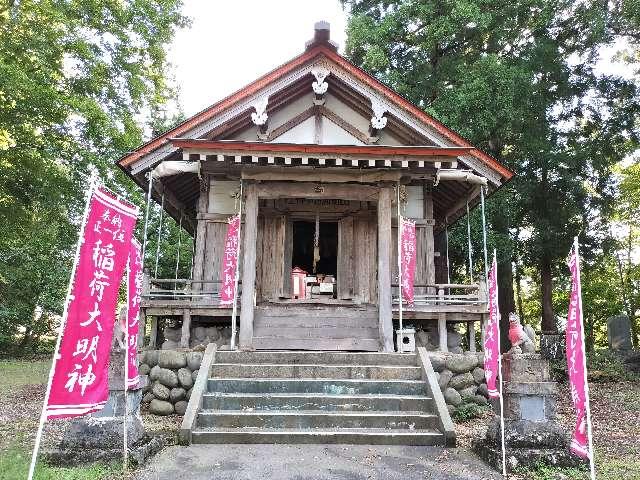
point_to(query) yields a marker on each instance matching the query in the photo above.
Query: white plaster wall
(415, 202)
(222, 191)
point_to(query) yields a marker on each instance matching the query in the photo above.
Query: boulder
(160, 391)
(212, 333)
(452, 397)
(462, 381)
(422, 338)
(177, 394)
(451, 409)
(188, 395)
(160, 407)
(437, 362)
(478, 375)
(151, 358)
(194, 375)
(454, 339)
(184, 378)
(199, 333)
(457, 350)
(194, 359)
(483, 390)
(167, 377)
(170, 359)
(462, 363)
(154, 372)
(468, 393)
(144, 369)
(445, 378)
(479, 400)
(148, 397)
(181, 407)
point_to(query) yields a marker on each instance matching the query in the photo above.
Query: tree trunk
(548, 317)
(506, 302)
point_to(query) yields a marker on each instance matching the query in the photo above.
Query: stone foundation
(461, 378)
(171, 375)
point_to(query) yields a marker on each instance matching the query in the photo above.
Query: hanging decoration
(407, 258)
(134, 289)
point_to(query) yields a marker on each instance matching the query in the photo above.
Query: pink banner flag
(230, 261)
(80, 380)
(408, 257)
(492, 335)
(134, 285)
(576, 359)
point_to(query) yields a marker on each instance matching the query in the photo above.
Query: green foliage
(14, 463)
(76, 79)
(546, 472)
(468, 411)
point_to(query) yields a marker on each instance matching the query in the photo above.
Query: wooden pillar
(153, 337)
(471, 330)
(186, 328)
(142, 325)
(430, 276)
(201, 238)
(385, 323)
(249, 269)
(442, 326)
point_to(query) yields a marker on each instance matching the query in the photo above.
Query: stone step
(374, 372)
(316, 331)
(348, 344)
(303, 419)
(362, 436)
(316, 385)
(316, 401)
(319, 358)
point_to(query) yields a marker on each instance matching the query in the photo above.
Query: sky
(231, 43)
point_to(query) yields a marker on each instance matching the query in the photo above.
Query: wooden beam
(249, 267)
(308, 190)
(385, 323)
(342, 123)
(185, 334)
(291, 123)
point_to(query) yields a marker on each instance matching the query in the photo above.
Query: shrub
(468, 411)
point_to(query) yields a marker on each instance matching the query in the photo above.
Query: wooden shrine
(320, 152)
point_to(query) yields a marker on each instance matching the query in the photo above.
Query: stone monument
(532, 434)
(99, 437)
(619, 333)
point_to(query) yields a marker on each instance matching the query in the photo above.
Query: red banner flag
(230, 261)
(134, 286)
(576, 364)
(80, 379)
(407, 257)
(492, 335)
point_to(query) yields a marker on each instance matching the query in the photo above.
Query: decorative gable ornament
(260, 117)
(320, 87)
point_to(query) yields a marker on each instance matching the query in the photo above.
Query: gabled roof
(320, 47)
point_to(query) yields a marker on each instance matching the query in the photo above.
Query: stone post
(532, 434)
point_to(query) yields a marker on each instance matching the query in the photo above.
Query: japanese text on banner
(80, 380)
(133, 310)
(491, 335)
(230, 261)
(575, 364)
(408, 258)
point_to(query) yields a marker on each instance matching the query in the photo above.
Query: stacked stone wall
(461, 378)
(171, 376)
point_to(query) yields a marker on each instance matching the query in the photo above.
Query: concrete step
(316, 385)
(319, 358)
(362, 436)
(375, 372)
(316, 331)
(315, 419)
(316, 401)
(328, 344)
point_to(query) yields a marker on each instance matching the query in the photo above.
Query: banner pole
(235, 290)
(584, 364)
(125, 457)
(155, 274)
(400, 343)
(146, 217)
(469, 243)
(504, 450)
(43, 413)
(446, 246)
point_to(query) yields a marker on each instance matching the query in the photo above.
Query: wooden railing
(182, 289)
(446, 294)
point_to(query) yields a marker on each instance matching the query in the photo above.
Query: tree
(76, 80)
(517, 79)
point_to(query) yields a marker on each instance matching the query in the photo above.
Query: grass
(17, 373)
(544, 472)
(14, 465)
